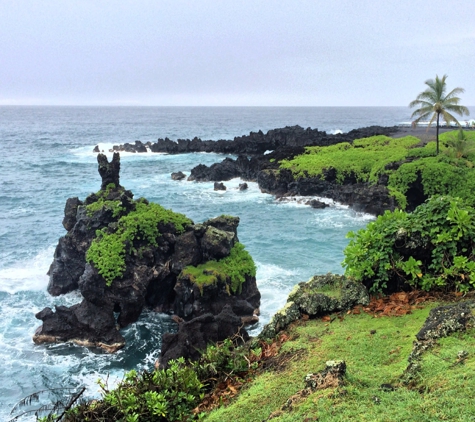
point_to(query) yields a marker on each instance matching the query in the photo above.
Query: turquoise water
(47, 157)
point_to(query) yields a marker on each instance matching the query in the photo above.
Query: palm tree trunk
(437, 135)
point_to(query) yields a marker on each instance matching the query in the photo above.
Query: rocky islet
(152, 275)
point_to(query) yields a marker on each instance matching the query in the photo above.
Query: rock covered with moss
(322, 294)
(124, 255)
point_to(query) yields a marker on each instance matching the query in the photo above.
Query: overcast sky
(233, 53)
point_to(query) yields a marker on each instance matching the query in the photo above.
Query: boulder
(315, 203)
(219, 186)
(322, 294)
(178, 175)
(441, 322)
(193, 336)
(445, 320)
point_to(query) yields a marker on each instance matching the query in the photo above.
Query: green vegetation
(166, 394)
(257, 381)
(434, 101)
(162, 395)
(375, 351)
(430, 248)
(107, 251)
(231, 270)
(364, 159)
(103, 203)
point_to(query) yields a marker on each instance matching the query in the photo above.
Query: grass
(376, 352)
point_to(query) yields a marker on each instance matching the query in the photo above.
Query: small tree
(435, 101)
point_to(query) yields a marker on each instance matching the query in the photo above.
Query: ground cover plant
(367, 159)
(107, 251)
(231, 270)
(364, 159)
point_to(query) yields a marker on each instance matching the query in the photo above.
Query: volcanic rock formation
(125, 254)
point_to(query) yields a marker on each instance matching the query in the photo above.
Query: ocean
(46, 157)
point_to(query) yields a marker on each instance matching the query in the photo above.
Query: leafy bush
(170, 394)
(231, 270)
(107, 251)
(162, 395)
(431, 248)
(451, 173)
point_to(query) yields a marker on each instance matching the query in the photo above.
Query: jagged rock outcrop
(193, 336)
(259, 155)
(258, 142)
(110, 172)
(321, 295)
(145, 250)
(441, 322)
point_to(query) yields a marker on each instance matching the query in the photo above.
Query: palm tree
(435, 100)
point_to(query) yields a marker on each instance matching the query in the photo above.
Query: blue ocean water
(46, 157)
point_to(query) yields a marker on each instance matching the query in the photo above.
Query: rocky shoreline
(258, 155)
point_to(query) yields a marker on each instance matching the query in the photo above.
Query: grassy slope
(441, 393)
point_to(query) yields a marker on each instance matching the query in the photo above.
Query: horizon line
(193, 106)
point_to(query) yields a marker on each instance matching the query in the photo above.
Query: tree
(435, 100)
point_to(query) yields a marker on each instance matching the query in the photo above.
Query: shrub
(439, 175)
(431, 248)
(162, 395)
(170, 394)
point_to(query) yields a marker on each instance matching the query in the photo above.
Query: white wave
(86, 152)
(344, 218)
(27, 275)
(301, 201)
(205, 191)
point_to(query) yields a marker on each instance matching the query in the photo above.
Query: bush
(162, 395)
(439, 175)
(431, 248)
(170, 394)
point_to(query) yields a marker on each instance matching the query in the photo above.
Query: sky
(233, 52)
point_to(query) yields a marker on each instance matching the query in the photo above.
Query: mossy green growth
(231, 270)
(102, 202)
(445, 174)
(107, 251)
(364, 159)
